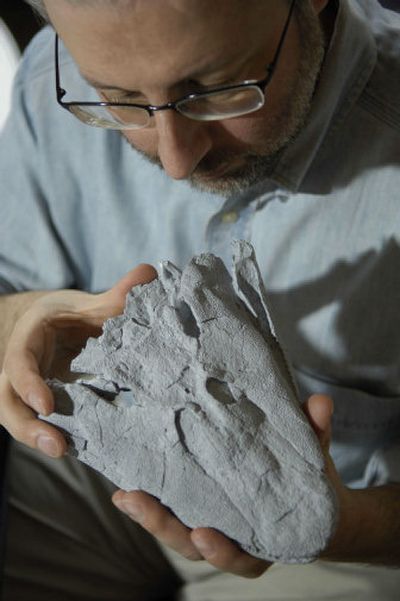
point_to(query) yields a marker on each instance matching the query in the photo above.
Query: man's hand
(44, 341)
(206, 543)
(197, 544)
(368, 529)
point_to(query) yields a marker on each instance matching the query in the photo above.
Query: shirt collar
(348, 65)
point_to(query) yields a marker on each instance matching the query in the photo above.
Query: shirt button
(230, 217)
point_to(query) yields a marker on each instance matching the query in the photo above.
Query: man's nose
(182, 143)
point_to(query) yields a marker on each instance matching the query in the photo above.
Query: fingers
(157, 520)
(23, 392)
(26, 348)
(319, 410)
(22, 423)
(142, 274)
(197, 544)
(34, 346)
(225, 555)
(22, 370)
(96, 308)
(115, 297)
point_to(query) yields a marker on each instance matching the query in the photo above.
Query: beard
(228, 172)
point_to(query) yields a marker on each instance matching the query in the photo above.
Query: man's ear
(319, 5)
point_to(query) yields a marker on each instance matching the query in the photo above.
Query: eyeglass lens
(207, 107)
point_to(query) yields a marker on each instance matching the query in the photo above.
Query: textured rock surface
(190, 399)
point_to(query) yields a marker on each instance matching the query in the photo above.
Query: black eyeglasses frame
(151, 109)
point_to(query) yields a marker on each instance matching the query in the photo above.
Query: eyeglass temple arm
(60, 91)
(272, 66)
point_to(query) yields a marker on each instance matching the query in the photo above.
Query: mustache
(215, 161)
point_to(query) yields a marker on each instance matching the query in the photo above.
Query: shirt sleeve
(32, 256)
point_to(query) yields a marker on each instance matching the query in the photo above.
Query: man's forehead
(161, 15)
(180, 5)
(178, 38)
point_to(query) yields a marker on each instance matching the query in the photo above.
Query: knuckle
(21, 433)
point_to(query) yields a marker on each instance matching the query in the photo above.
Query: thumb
(319, 409)
(112, 302)
(142, 274)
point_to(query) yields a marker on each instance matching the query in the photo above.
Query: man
(303, 160)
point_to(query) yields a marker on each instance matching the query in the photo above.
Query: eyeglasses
(225, 102)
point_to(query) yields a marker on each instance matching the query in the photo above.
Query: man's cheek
(245, 133)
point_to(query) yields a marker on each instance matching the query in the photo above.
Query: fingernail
(48, 446)
(36, 402)
(134, 511)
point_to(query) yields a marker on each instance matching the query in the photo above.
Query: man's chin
(237, 176)
(223, 180)
(219, 184)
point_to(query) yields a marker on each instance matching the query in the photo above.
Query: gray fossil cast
(189, 397)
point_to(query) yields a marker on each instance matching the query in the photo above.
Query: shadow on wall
(359, 302)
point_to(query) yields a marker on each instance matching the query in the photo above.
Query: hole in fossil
(220, 391)
(188, 320)
(65, 405)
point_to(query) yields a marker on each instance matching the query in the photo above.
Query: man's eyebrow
(221, 65)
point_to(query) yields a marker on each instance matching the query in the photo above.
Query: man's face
(156, 51)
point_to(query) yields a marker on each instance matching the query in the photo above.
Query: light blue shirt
(79, 208)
